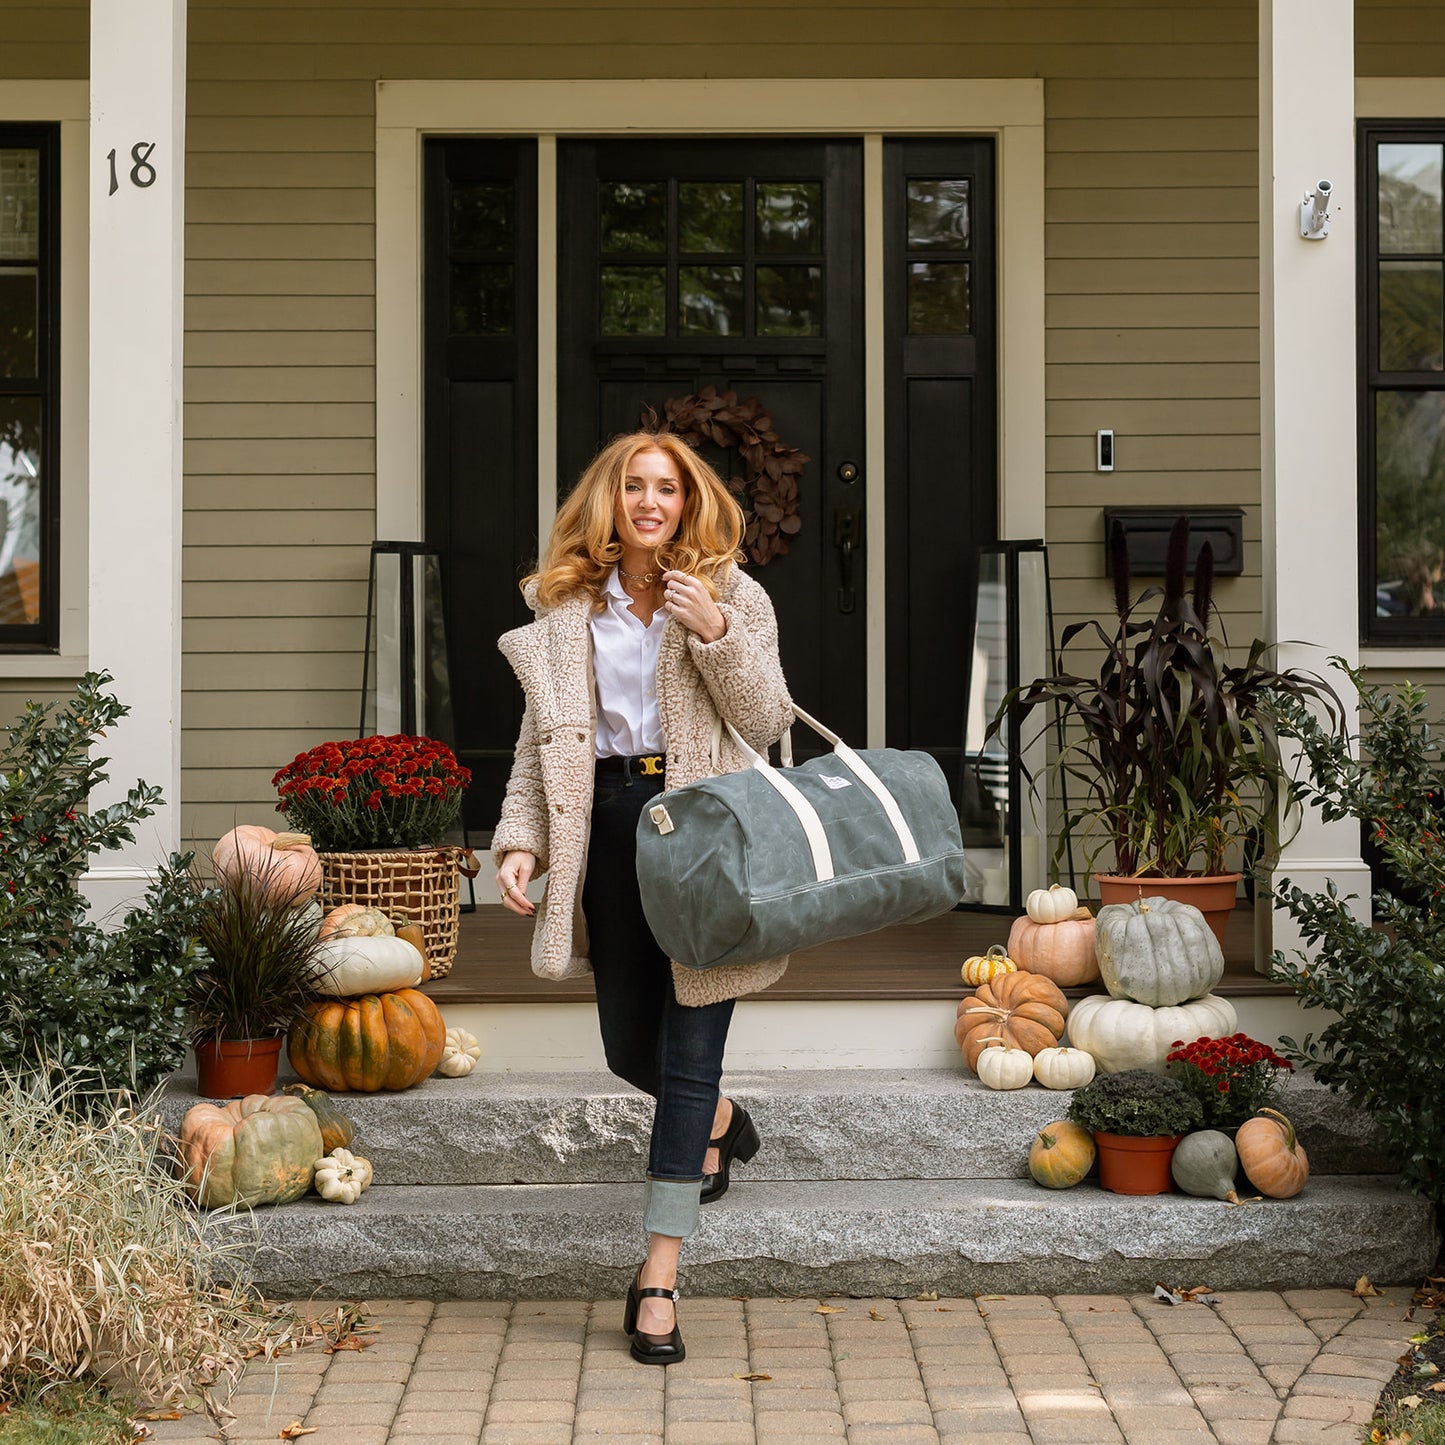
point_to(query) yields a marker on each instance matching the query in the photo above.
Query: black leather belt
(644, 765)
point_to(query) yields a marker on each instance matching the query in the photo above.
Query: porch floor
(919, 961)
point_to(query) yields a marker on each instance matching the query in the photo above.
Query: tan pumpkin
(284, 865)
(1272, 1157)
(256, 1150)
(1025, 1010)
(984, 966)
(356, 920)
(1061, 1155)
(363, 1045)
(1063, 951)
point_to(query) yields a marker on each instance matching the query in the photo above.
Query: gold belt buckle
(651, 766)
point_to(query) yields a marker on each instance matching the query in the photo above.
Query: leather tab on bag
(660, 816)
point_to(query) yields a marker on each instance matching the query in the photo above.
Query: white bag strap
(806, 814)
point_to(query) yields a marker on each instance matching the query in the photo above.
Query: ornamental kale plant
(108, 1005)
(1137, 1102)
(1386, 982)
(1233, 1078)
(376, 792)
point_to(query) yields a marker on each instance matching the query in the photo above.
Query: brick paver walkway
(1302, 1366)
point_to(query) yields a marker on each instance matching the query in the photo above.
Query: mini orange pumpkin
(364, 1045)
(1025, 1010)
(1062, 951)
(1273, 1159)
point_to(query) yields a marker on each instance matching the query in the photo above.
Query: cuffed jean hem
(671, 1207)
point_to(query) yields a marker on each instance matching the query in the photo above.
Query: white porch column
(137, 186)
(1308, 383)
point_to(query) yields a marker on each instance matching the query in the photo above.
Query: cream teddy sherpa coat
(548, 805)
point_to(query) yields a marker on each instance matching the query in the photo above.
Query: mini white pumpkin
(1125, 1035)
(1157, 951)
(342, 1176)
(346, 966)
(1052, 904)
(459, 1054)
(1000, 1067)
(1063, 1068)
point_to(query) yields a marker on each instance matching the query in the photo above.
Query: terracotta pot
(231, 1068)
(1213, 896)
(1128, 1165)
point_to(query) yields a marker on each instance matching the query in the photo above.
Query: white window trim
(66, 101)
(1010, 110)
(1402, 98)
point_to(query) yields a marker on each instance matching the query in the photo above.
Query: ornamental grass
(105, 1276)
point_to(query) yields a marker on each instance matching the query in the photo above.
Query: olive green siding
(1151, 279)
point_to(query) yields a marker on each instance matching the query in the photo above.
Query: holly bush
(1386, 981)
(109, 1004)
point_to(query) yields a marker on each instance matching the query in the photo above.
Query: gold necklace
(646, 578)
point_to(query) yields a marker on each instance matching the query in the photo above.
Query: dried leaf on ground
(295, 1430)
(753, 1375)
(831, 1310)
(1199, 1294)
(927, 1297)
(1364, 1289)
(874, 1315)
(1411, 1402)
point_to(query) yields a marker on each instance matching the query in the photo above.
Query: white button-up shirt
(624, 667)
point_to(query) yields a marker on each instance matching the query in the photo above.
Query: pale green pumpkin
(1204, 1164)
(257, 1150)
(1157, 952)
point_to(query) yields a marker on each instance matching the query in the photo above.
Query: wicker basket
(423, 883)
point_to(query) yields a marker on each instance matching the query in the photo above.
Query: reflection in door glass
(789, 215)
(19, 204)
(710, 216)
(1409, 503)
(482, 301)
(1410, 197)
(790, 300)
(710, 301)
(634, 300)
(18, 303)
(634, 216)
(938, 215)
(1412, 316)
(481, 215)
(19, 510)
(938, 302)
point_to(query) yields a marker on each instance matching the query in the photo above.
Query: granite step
(587, 1128)
(891, 1238)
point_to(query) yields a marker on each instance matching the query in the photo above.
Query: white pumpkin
(1001, 1067)
(459, 1054)
(1063, 1068)
(346, 967)
(1123, 1035)
(1052, 904)
(342, 1176)
(1156, 951)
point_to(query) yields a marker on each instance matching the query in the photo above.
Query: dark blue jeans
(659, 1046)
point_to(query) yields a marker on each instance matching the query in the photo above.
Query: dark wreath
(768, 488)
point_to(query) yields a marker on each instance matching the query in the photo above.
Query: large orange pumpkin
(1025, 1010)
(1062, 951)
(386, 1041)
(1272, 1158)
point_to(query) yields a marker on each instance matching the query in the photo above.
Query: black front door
(737, 265)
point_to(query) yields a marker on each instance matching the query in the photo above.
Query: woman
(647, 634)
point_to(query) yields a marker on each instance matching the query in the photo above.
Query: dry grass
(105, 1274)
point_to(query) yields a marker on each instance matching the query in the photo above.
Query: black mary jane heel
(739, 1141)
(652, 1349)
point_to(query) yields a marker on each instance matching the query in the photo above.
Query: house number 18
(142, 173)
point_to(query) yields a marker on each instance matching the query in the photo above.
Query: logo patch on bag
(835, 782)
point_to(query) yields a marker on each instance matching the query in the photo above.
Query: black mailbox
(1146, 537)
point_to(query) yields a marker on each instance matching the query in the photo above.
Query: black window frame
(1369, 135)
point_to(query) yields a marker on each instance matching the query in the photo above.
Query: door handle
(847, 540)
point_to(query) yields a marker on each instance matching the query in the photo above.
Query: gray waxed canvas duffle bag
(749, 865)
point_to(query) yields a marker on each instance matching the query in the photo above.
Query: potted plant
(378, 810)
(259, 938)
(1137, 1117)
(1174, 765)
(1233, 1078)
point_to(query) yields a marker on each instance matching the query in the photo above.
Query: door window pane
(790, 300)
(482, 299)
(938, 215)
(1412, 316)
(20, 520)
(481, 215)
(938, 301)
(1409, 503)
(710, 301)
(634, 216)
(18, 355)
(634, 300)
(789, 215)
(19, 205)
(710, 216)
(1410, 187)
